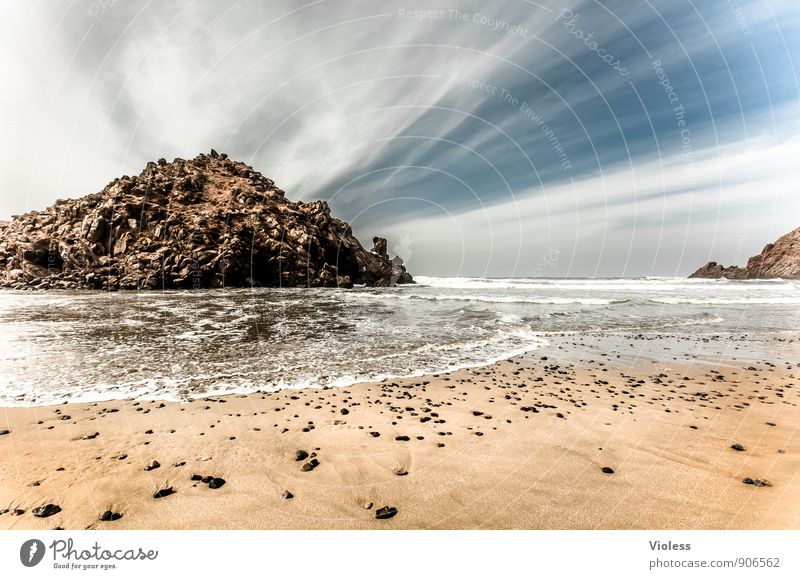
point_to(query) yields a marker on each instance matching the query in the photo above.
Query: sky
(512, 138)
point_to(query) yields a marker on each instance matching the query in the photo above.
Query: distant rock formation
(779, 259)
(205, 223)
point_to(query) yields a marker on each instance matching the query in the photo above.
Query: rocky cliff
(209, 222)
(779, 259)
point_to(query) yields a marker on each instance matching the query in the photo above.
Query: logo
(32, 552)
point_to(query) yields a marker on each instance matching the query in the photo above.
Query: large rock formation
(779, 259)
(205, 223)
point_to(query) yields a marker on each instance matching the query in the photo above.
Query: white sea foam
(179, 345)
(512, 299)
(726, 301)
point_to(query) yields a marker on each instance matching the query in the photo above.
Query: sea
(180, 345)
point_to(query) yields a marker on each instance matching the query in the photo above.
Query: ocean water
(82, 346)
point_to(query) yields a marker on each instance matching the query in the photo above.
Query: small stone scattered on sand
(385, 513)
(607, 470)
(300, 455)
(160, 494)
(737, 446)
(310, 465)
(216, 483)
(47, 510)
(4, 431)
(152, 466)
(287, 495)
(110, 516)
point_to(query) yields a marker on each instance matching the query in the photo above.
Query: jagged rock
(208, 222)
(379, 247)
(779, 259)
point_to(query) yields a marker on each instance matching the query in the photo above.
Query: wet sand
(520, 444)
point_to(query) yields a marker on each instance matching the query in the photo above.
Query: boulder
(777, 260)
(208, 222)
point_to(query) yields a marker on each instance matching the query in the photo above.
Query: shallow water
(82, 346)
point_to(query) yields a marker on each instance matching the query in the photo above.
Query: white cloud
(640, 221)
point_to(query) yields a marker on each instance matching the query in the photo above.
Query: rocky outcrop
(209, 222)
(779, 259)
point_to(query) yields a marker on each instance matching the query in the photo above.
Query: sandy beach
(526, 443)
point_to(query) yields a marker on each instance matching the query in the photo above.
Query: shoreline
(548, 341)
(517, 444)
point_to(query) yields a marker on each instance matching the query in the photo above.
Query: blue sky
(625, 138)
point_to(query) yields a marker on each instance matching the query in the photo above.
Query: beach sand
(520, 444)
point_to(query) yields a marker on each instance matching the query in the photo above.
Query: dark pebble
(607, 470)
(160, 494)
(310, 465)
(287, 495)
(90, 436)
(737, 446)
(46, 511)
(152, 466)
(747, 480)
(344, 411)
(402, 438)
(300, 455)
(385, 513)
(110, 516)
(4, 431)
(216, 483)
(197, 477)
